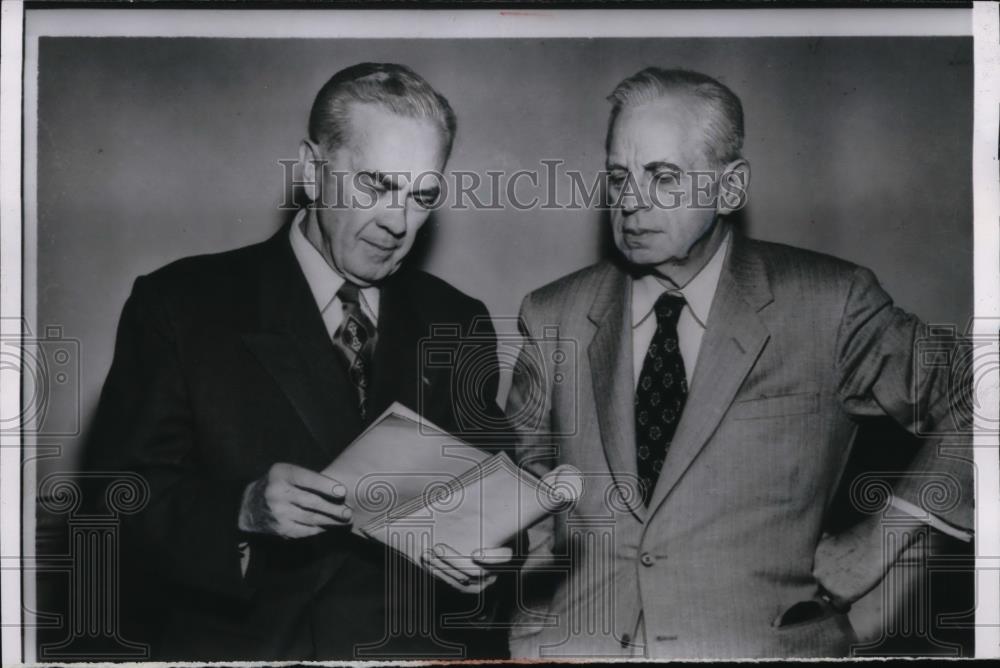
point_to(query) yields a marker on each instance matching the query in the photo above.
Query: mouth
(382, 247)
(635, 238)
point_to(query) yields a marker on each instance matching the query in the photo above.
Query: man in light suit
(238, 376)
(710, 403)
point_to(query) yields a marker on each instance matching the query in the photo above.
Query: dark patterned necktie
(355, 339)
(660, 395)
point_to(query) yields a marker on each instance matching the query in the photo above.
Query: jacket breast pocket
(777, 406)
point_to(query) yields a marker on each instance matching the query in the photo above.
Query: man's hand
(293, 502)
(850, 564)
(474, 573)
(468, 574)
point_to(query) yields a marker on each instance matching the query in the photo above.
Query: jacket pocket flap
(785, 404)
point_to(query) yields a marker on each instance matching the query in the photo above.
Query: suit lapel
(396, 374)
(291, 342)
(610, 354)
(733, 340)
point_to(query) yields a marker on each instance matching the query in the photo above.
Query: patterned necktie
(355, 339)
(660, 395)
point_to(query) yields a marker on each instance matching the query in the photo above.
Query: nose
(633, 199)
(392, 219)
(631, 206)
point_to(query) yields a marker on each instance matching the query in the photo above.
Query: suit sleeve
(187, 532)
(475, 407)
(528, 410)
(890, 363)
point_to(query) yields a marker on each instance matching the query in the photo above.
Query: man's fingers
(312, 518)
(319, 504)
(305, 479)
(493, 556)
(297, 530)
(475, 586)
(443, 571)
(461, 563)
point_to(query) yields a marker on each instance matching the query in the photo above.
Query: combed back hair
(723, 111)
(396, 88)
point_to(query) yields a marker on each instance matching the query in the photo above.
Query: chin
(647, 257)
(376, 274)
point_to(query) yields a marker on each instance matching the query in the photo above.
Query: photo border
(23, 25)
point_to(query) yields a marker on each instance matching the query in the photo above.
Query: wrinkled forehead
(670, 128)
(379, 139)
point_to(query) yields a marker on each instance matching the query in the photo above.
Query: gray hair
(723, 120)
(397, 88)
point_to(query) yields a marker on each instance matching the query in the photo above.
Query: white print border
(20, 33)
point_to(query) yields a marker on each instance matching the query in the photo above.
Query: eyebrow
(389, 181)
(659, 164)
(386, 180)
(649, 166)
(426, 192)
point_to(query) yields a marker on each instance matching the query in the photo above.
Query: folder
(412, 486)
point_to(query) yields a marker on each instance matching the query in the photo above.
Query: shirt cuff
(934, 521)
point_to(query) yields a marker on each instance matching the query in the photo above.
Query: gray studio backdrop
(153, 149)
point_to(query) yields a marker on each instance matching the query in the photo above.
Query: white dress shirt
(698, 293)
(324, 281)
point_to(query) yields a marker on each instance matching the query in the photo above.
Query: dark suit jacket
(797, 346)
(222, 368)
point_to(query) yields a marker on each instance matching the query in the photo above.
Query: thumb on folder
(566, 482)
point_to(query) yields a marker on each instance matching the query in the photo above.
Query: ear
(733, 187)
(311, 163)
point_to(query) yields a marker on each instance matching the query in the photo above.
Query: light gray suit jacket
(797, 345)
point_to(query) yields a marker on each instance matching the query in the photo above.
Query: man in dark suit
(238, 376)
(712, 410)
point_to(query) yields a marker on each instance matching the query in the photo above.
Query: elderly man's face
(655, 214)
(378, 188)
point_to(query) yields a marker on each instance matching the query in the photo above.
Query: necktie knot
(668, 308)
(349, 293)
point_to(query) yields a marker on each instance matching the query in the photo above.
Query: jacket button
(646, 559)
(626, 639)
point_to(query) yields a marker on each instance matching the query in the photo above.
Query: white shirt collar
(698, 293)
(323, 280)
